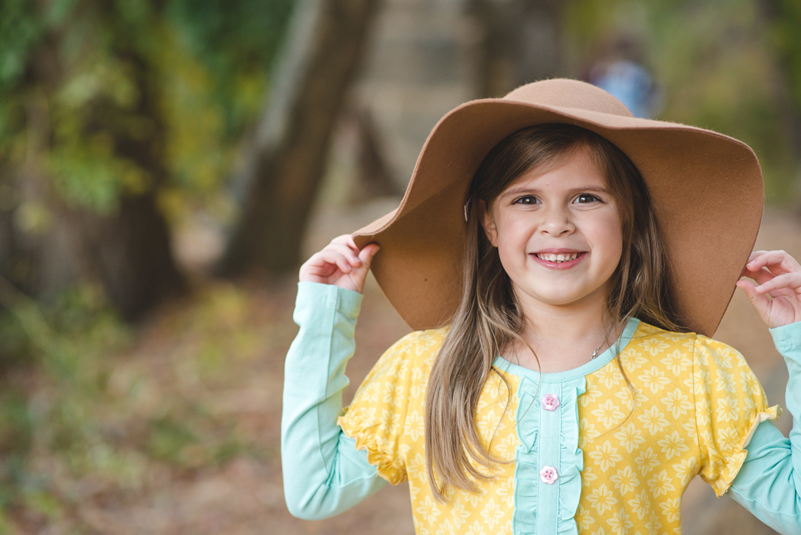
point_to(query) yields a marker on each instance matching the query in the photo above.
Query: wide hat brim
(706, 190)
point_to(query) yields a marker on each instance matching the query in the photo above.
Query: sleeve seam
(331, 320)
(759, 502)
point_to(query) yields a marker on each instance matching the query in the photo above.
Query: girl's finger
(340, 263)
(789, 281)
(774, 260)
(346, 262)
(345, 245)
(755, 254)
(331, 258)
(761, 275)
(359, 274)
(342, 250)
(317, 267)
(346, 240)
(366, 258)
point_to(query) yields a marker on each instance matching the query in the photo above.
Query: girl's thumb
(366, 255)
(761, 302)
(748, 288)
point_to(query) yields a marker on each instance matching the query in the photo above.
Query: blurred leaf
(33, 217)
(20, 30)
(44, 503)
(170, 439)
(6, 527)
(15, 423)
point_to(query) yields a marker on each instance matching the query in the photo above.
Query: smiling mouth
(557, 258)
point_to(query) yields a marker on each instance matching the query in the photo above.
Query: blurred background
(166, 165)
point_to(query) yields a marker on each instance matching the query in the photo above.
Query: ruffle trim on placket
(527, 471)
(572, 458)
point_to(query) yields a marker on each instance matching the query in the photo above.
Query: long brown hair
(489, 318)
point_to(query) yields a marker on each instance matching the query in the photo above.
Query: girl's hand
(340, 263)
(777, 292)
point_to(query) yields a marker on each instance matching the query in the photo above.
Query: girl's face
(558, 234)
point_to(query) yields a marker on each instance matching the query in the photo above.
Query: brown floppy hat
(706, 190)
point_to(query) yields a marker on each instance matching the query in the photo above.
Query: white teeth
(558, 257)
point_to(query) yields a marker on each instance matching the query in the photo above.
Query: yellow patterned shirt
(585, 453)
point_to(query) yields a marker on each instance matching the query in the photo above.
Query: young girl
(561, 263)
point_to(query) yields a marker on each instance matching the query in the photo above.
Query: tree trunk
(493, 49)
(326, 40)
(129, 251)
(374, 172)
(520, 43)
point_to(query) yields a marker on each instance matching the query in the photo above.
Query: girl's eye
(526, 199)
(584, 198)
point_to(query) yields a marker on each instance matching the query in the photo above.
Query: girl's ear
(488, 222)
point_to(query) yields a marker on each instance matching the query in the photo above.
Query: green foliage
(19, 33)
(236, 43)
(785, 22)
(216, 68)
(134, 96)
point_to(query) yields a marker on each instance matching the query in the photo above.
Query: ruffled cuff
(734, 460)
(378, 454)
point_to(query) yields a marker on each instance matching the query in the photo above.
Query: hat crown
(561, 93)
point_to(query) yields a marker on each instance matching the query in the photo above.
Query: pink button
(550, 402)
(548, 475)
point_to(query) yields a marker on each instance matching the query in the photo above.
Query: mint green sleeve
(769, 482)
(324, 473)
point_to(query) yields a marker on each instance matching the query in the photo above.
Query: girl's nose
(557, 222)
